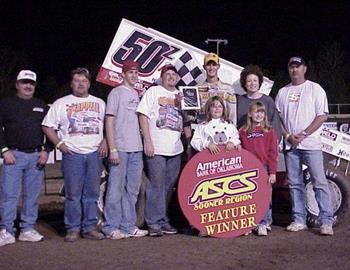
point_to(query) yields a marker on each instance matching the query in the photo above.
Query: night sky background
(56, 37)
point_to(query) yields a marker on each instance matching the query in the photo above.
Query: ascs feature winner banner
(224, 195)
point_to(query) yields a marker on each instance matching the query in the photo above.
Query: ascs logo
(237, 184)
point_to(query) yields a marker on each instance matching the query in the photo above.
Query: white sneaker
(326, 230)
(6, 238)
(30, 236)
(138, 233)
(295, 227)
(117, 234)
(261, 230)
(247, 233)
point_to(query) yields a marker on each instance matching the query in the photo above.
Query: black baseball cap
(297, 60)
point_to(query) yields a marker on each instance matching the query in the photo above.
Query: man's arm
(188, 133)
(113, 151)
(148, 144)
(287, 137)
(6, 153)
(50, 133)
(295, 139)
(48, 145)
(315, 124)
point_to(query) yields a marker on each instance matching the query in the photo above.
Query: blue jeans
(82, 176)
(26, 172)
(163, 172)
(267, 219)
(123, 188)
(314, 160)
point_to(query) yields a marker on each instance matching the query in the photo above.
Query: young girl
(217, 130)
(259, 138)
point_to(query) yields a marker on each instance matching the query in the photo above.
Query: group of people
(134, 134)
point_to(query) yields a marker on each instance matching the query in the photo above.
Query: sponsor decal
(224, 195)
(329, 134)
(330, 125)
(327, 148)
(345, 128)
(343, 153)
(115, 77)
(336, 143)
(345, 140)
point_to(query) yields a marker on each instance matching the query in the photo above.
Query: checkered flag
(189, 72)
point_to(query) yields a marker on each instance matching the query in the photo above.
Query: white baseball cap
(26, 75)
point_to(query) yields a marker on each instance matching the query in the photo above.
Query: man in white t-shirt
(74, 124)
(303, 108)
(161, 125)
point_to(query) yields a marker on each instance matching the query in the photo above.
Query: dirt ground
(279, 250)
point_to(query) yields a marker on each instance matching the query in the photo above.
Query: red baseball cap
(166, 68)
(130, 65)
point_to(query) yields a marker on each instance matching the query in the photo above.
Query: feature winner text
(238, 218)
(227, 201)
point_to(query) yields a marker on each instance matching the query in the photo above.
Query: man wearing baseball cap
(296, 60)
(161, 124)
(303, 107)
(125, 156)
(25, 155)
(213, 86)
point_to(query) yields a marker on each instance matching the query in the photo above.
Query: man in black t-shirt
(25, 155)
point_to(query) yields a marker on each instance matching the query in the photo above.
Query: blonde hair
(210, 103)
(265, 125)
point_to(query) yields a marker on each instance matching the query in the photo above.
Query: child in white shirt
(216, 130)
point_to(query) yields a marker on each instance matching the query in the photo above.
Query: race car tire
(339, 187)
(141, 203)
